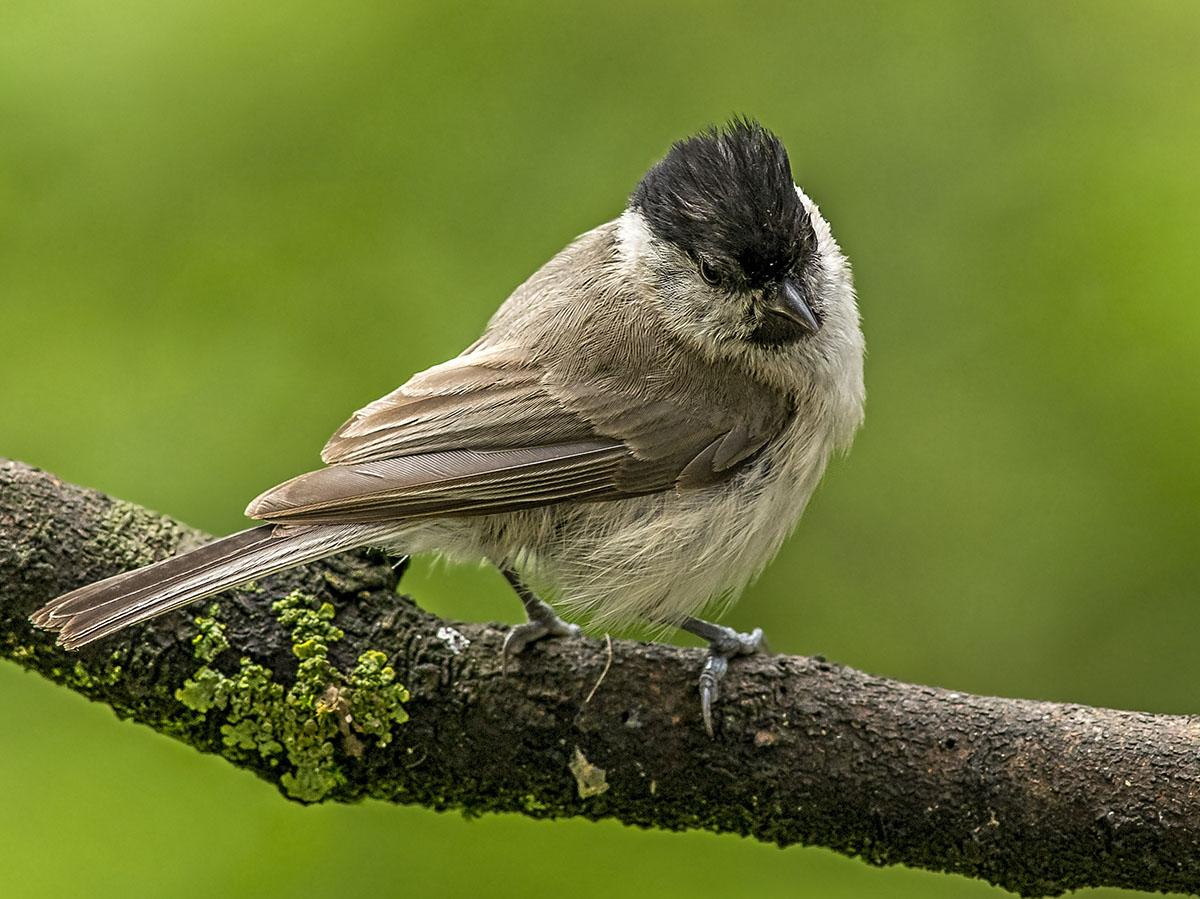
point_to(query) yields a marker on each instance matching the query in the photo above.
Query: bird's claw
(521, 635)
(542, 623)
(710, 687)
(723, 644)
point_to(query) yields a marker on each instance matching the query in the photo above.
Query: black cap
(726, 197)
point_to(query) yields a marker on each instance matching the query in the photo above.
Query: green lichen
(126, 534)
(82, 679)
(93, 679)
(210, 642)
(298, 726)
(204, 690)
(295, 611)
(532, 804)
(376, 700)
(21, 654)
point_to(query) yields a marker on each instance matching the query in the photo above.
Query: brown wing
(454, 482)
(486, 399)
(484, 433)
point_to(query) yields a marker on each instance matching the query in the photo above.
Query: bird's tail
(107, 606)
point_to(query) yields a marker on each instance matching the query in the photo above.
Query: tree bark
(288, 678)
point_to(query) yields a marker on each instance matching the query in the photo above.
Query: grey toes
(724, 643)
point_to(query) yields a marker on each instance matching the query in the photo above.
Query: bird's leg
(543, 622)
(723, 644)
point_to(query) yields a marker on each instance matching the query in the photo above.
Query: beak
(790, 303)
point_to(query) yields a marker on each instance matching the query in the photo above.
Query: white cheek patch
(821, 227)
(633, 236)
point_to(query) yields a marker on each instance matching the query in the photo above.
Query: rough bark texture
(1036, 797)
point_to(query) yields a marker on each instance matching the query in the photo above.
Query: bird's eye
(709, 272)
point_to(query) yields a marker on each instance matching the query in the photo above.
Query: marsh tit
(636, 432)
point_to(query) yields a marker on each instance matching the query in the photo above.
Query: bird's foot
(543, 622)
(724, 643)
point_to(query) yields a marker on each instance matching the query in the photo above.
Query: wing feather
(521, 420)
(486, 400)
(455, 482)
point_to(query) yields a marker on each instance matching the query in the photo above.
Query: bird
(637, 430)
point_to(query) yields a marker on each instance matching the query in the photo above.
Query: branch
(1036, 797)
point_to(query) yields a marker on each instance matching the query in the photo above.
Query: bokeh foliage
(226, 226)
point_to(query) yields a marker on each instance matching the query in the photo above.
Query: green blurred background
(224, 226)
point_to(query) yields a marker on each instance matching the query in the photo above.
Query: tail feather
(107, 606)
